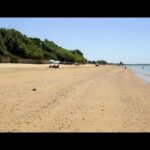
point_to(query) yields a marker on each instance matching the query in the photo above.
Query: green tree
(15, 45)
(103, 62)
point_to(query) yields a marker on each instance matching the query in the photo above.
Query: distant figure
(54, 66)
(142, 67)
(77, 64)
(96, 64)
(125, 67)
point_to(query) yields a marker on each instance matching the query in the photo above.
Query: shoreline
(145, 78)
(142, 76)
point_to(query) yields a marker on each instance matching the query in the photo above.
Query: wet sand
(72, 99)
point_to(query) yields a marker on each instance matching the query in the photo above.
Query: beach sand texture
(72, 99)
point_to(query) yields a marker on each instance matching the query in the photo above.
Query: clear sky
(110, 39)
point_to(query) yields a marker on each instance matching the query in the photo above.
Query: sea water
(143, 71)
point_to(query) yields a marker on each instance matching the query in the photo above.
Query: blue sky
(110, 39)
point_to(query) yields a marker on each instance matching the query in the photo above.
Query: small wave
(143, 72)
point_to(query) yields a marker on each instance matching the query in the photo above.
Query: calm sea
(142, 71)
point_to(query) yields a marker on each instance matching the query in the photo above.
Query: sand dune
(72, 99)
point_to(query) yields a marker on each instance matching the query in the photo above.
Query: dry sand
(72, 99)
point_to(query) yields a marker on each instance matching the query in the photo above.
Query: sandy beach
(72, 99)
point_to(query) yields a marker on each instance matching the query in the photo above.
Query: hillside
(15, 45)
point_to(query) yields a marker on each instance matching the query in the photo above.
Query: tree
(15, 44)
(2, 46)
(78, 52)
(103, 62)
(37, 41)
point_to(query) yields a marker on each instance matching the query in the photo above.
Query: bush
(0, 59)
(16, 44)
(14, 60)
(102, 62)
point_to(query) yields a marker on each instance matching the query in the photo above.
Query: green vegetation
(91, 62)
(15, 45)
(102, 62)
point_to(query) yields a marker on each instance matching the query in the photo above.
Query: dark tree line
(14, 44)
(101, 62)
